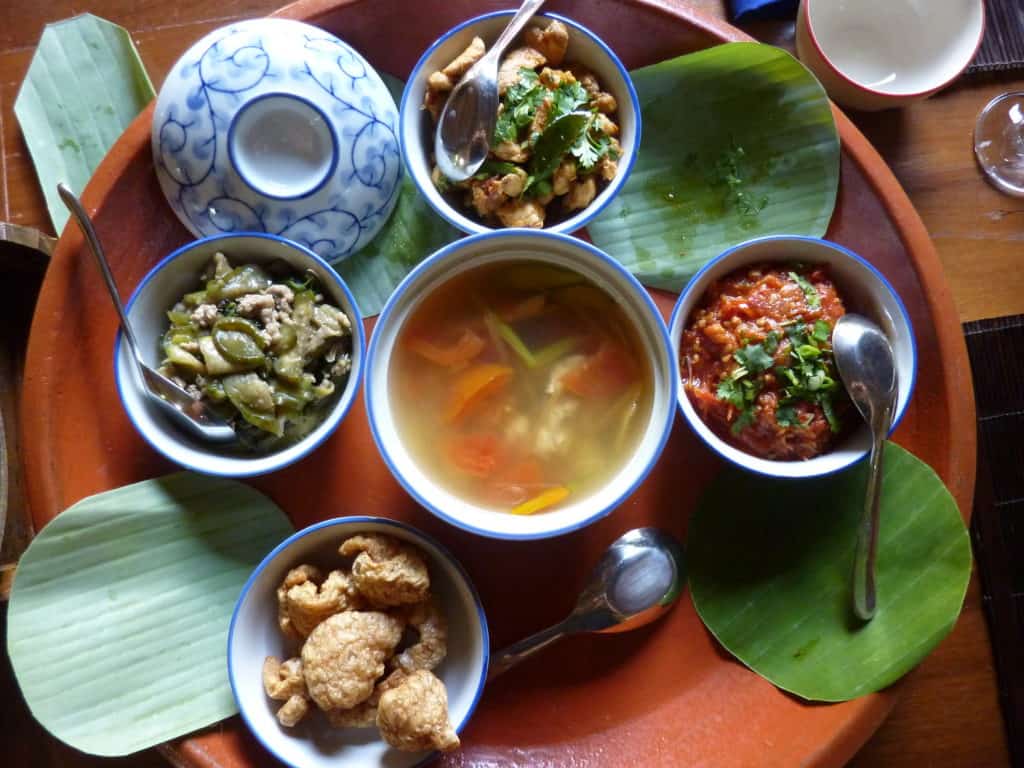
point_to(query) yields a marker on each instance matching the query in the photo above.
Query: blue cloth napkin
(753, 10)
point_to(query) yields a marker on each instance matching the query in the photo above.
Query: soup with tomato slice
(520, 386)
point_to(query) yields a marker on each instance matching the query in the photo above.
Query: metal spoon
(463, 136)
(864, 359)
(637, 580)
(190, 413)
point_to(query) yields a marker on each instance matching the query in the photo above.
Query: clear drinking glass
(999, 142)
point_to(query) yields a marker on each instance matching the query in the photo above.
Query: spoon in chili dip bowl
(865, 361)
(753, 333)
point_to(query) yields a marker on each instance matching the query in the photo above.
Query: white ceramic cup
(548, 248)
(160, 289)
(253, 635)
(862, 288)
(878, 54)
(416, 129)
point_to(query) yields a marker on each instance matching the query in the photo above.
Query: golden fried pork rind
(306, 598)
(429, 650)
(285, 682)
(387, 572)
(345, 654)
(294, 577)
(364, 714)
(414, 715)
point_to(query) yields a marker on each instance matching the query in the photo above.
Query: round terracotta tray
(667, 694)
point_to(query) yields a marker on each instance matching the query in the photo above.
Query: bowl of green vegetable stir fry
(568, 126)
(260, 329)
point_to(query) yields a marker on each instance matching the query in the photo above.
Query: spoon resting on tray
(185, 410)
(864, 359)
(638, 579)
(463, 136)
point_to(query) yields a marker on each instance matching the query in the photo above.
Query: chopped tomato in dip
(757, 364)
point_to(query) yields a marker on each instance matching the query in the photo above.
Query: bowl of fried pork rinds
(358, 641)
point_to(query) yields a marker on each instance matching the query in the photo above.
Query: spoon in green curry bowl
(192, 414)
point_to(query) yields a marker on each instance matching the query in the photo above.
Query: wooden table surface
(949, 713)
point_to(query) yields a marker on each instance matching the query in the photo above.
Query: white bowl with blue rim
(527, 245)
(253, 635)
(276, 126)
(416, 129)
(160, 289)
(862, 288)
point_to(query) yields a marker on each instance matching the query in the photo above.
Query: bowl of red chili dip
(753, 333)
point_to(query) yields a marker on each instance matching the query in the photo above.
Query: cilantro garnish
(520, 104)
(536, 188)
(786, 416)
(830, 413)
(520, 101)
(807, 375)
(731, 391)
(810, 292)
(753, 358)
(496, 168)
(744, 420)
(730, 171)
(528, 83)
(568, 98)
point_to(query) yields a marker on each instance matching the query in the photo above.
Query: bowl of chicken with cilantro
(753, 333)
(567, 130)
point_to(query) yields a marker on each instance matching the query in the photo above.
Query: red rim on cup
(947, 47)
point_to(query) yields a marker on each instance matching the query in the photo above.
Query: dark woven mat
(1003, 46)
(996, 349)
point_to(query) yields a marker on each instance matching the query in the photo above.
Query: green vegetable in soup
(238, 282)
(213, 390)
(289, 366)
(287, 339)
(194, 299)
(264, 351)
(179, 357)
(179, 318)
(216, 363)
(254, 399)
(238, 341)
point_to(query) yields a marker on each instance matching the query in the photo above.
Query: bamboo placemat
(995, 348)
(1003, 46)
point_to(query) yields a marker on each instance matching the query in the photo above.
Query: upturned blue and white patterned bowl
(276, 126)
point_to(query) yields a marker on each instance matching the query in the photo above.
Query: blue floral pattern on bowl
(276, 126)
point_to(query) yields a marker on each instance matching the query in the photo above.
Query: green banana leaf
(770, 564)
(738, 141)
(84, 86)
(118, 620)
(412, 233)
